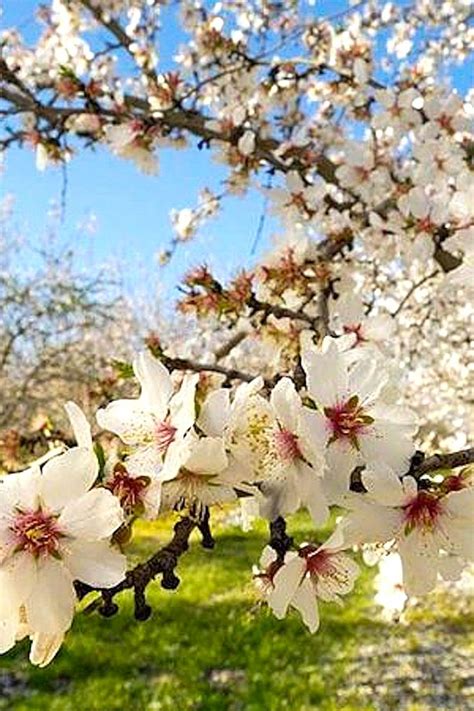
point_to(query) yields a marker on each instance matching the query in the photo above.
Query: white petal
(420, 562)
(286, 581)
(176, 455)
(312, 495)
(183, 406)
(68, 476)
(383, 442)
(95, 563)
(17, 580)
(207, 456)
(8, 628)
(50, 607)
(286, 403)
(145, 461)
(366, 379)
(450, 567)
(313, 434)
(94, 516)
(44, 648)
(79, 424)
(152, 500)
(21, 489)
(130, 420)
(460, 504)
(215, 412)
(326, 375)
(383, 485)
(268, 556)
(156, 383)
(246, 390)
(304, 600)
(457, 536)
(371, 523)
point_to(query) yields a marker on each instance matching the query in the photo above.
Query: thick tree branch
(452, 460)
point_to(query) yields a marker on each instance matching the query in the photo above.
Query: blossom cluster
(188, 447)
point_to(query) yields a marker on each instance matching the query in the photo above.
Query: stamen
(164, 435)
(129, 490)
(286, 444)
(36, 532)
(356, 329)
(422, 511)
(348, 420)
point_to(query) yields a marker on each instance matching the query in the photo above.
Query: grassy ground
(210, 647)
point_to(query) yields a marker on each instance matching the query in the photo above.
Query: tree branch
(444, 461)
(163, 563)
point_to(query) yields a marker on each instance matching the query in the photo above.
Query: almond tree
(331, 355)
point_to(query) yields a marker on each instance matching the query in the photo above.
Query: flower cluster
(187, 448)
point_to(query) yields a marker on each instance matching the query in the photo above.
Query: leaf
(123, 369)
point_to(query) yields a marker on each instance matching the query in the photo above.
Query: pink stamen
(286, 444)
(319, 562)
(356, 329)
(129, 490)
(347, 420)
(422, 511)
(164, 435)
(36, 532)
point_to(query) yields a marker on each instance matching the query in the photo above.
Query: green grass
(208, 647)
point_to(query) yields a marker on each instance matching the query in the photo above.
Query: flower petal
(50, 607)
(95, 563)
(215, 412)
(286, 403)
(206, 456)
(304, 600)
(129, 419)
(92, 517)
(286, 582)
(183, 405)
(17, 580)
(326, 375)
(383, 485)
(8, 628)
(44, 648)
(68, 476)
(156, 383)
(79, 424)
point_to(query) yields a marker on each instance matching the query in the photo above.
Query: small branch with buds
(163, 562)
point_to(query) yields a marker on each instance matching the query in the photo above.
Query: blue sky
(132, 209)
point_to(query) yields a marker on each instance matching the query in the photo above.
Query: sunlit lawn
(208, 646)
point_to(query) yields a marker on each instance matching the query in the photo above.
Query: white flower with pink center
(352, 423)
(432, 527)
(271, 444)
(204, 478)
(138, 494)
(54, 528)
(153, 425)
(314, 572)
(293, 465)
(348, 317)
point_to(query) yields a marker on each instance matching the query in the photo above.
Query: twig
(163, 562)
